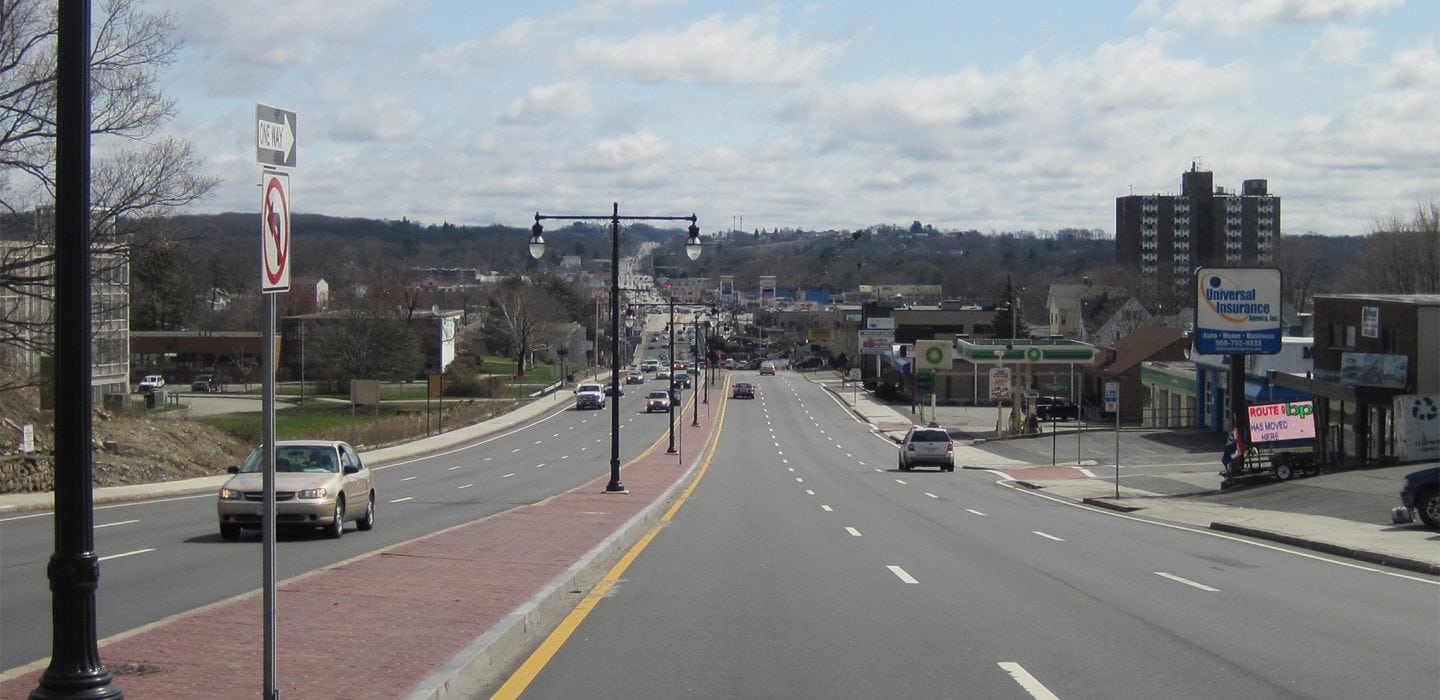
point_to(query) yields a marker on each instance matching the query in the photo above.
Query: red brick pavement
(378, 626)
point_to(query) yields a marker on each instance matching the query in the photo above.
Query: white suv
(151, 382)
(927, 446)
(589, 396)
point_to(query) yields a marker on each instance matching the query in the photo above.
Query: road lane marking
(514, 450)
(809, 492)
(126, 554)
(853, 532)
(799, 479)
(902, 483)
(122, 522)
(901, 574)
(451, 469)
(487, 459)
(927, 493)
(1086, 472)
(539, 465)
(879, 471)
(538, 442)
(1187, 582)
(827, 509)
(1031, 684)
(784, 461)
(791, 468)
(1047, 536)
(466, 486)
(507, 476)
(862, 464)
(402, 500)
(976, 512)
(408, 478)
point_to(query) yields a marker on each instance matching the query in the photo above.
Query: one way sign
(274, 136)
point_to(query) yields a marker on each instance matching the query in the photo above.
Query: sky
(827, 115)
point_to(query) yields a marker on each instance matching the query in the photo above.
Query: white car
(927, 446)
(589, 395)
(151, 382)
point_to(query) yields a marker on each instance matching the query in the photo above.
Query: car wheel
(1428, 504)
(367, 522)
(337, 527)
(229, 533)
(1283, 472)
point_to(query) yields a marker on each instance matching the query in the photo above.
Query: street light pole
(672, 449)
(692, 250)
(695, 344)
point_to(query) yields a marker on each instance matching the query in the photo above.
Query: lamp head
(692, 245)
(537, 242)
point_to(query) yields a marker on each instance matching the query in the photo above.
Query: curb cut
(1422, 567)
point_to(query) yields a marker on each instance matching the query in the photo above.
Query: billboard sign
(878, 323)
(1278, 422)
(1417, 427)
(1368, 369)
(999, 383)
(1237, 311)
(875, 342)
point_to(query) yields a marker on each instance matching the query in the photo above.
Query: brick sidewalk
(378, 626)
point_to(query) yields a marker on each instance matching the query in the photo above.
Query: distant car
(1421, 491)
(635, 378)
(682, 381)
(927, 446)
(318, 484)
(657, 401)
(649, 365)
(810, 363)
(767, 368)
(741, 390)
(614, 390)
(151, 382)
(663, 374)
(1056, 408)
(203, 382)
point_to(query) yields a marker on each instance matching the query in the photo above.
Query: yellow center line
(526, 673)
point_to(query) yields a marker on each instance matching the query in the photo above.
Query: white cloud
(1237, 17)
(543, 103)
(1340, 45)
(714, 50)
(278, 34)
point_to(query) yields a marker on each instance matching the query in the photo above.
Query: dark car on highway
(1421, 491)
(742, 390)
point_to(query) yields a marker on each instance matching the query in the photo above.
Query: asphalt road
(805, 565)
(162, 558)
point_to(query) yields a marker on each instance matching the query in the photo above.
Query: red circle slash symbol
(277, 229)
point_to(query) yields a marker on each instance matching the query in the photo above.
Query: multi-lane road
(806, 565)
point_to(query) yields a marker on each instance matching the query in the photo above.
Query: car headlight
(231, 494)
(310, 494)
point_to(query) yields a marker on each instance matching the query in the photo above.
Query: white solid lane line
(901, 574)
(1187, 582)
(126, 554)
(402, 500)
(122, 522)
(1031, 684)
(1047, 536)
(853, 532)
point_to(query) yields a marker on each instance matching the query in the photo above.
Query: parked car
(151, 382)
(318, 484)
(1056, 408)
(589, 395)
(1421, 491)
(657, 401)
(204, 382)
(742, 390)
(927, 446)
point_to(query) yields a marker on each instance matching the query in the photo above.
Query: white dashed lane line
(126, 554)
(901, 482)
(1187, 582)
(507, 476)
(975, 512)
(809, 492)
(1031, 684)
(122, 522)
(827, 509)
(927, 493)
(901, 574)
(402, 500)
(466, 486)
(853, 532)
(451, 469)
(1047, 536)
(408, 478)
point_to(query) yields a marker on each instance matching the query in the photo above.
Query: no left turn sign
(275, 233)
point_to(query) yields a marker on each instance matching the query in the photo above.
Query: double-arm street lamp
(537, 249)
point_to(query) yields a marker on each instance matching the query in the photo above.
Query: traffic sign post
(1112, 403)
(275, 146)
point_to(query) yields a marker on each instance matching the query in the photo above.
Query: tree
(161, 298)
(1403, 257)
(357, 344)
(524, 314)
(1006, 323)
(138, 179)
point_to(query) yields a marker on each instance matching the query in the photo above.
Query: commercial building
(1167, 236)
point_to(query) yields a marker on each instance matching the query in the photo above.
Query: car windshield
(659, 395)
(311, 459)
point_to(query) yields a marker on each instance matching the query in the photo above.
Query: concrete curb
(1422, 567)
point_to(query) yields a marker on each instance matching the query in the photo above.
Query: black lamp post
(695, 325)
(692, 249)
(672, 449)
(75, 670)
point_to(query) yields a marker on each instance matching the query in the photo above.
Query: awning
(1260, 391)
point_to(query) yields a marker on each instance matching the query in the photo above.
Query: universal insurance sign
(1237, 311)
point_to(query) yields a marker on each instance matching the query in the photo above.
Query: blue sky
(1004, 116)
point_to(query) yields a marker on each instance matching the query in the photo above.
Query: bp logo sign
(934, 355)
(1032, 354)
